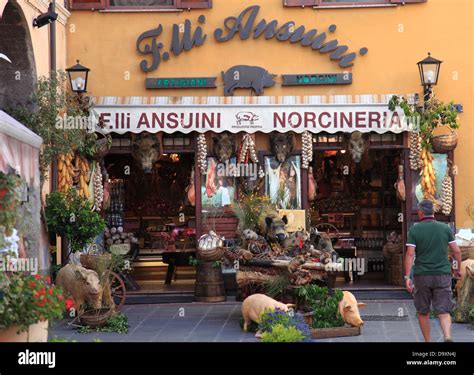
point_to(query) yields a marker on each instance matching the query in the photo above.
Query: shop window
(283, 182)
(139, 4)
(355, 3)
(177, 142)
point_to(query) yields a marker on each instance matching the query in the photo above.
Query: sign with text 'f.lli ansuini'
(316, 79)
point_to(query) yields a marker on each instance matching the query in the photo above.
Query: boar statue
(324, 244)
(357, 145)
(81, 284)
(247, 77)
(272, 227)
(465, 291)
(349, 310)
(223, 146)
(146, 150)
(254, 305)
(281, 145)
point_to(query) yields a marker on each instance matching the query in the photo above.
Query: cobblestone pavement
(195, 322)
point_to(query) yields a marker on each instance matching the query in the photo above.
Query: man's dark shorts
(433, 289)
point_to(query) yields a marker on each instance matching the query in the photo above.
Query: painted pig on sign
(349, 310)
(247, 77)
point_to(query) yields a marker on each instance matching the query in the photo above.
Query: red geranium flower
(47, 279)
(70, 304)
(32, 284)
(37, 276)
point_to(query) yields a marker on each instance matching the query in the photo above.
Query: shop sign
(316, 79)
(246, 25)
(252, 118)
(181, 83)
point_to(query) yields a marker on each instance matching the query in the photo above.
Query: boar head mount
(223, 146)
(357, 144)
(281, 144)
(146, 150)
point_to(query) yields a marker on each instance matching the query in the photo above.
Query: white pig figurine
(349, 310)
(254, 305)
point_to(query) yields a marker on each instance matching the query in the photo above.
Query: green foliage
(277, 286)
(325, 307)
(280, 333)
(57, 339)
(71, 215)
(271, 318)
(435, 114)
(51, 102)
(117, 323)
(252, 326)
(249, 210)
(193, 261)
(28, 300)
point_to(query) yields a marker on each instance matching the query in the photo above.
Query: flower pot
(36, 333)
(10, 335)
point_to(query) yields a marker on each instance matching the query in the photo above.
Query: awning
(332, 114)
(19, 149)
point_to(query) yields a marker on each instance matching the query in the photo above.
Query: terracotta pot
(36, 333)
(10, 335)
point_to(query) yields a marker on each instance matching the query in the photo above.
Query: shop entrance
(151, 200)
(357, 205)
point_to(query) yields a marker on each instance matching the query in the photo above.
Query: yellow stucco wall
(397, 37)
(40, 36)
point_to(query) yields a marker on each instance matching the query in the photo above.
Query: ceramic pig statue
(349, 310)
(81, 284)
(254, 305)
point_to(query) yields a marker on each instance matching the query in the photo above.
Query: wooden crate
(326, 333)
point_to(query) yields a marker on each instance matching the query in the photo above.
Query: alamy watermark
(67, 122)
(13, 264)
(229, 169)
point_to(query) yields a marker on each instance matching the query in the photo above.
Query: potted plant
(71, 215)
(435, 115)
(28, 303)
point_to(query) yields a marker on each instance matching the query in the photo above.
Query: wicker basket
(444, 143)
(210, 255)
(96, 318)
(467, 252)
(89, 261)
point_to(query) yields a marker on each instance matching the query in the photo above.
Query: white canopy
(250, 115)
(19, 149)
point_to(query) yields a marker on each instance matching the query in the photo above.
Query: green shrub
(280, 333)
(325, 307)
(117, 323)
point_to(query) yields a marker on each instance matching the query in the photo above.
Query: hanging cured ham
(191, 191)
(210, 183)
(311, 185)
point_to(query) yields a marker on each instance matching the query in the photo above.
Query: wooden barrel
(209, 283)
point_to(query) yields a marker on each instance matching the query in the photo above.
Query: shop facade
(311, 83)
